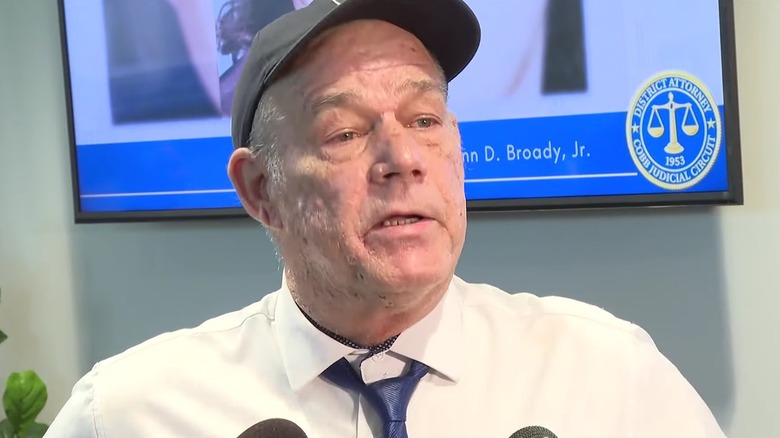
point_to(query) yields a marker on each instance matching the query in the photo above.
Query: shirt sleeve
(664, 403)
(77, 419)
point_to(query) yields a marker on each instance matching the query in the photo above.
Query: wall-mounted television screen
(567, 103)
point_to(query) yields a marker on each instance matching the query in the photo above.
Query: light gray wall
(703, 282)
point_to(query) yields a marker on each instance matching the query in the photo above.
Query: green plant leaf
(36, 430)
(24, 398)
(6, 429)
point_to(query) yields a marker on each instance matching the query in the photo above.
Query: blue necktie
(389, 397)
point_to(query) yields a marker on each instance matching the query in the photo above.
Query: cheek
(303, 204)
(306, 215)
(448, 150)
(324, 203)
(347, 197)
(458, 169)
(453, 190)
(454, 173)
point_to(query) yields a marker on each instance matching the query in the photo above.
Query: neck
(373, 347)
(357, 317)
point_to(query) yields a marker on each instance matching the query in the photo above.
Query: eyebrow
(423, 86)
(333, 100)
(344, 98)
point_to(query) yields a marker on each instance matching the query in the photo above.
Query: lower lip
(406, 230)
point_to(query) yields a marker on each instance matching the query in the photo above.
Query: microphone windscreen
(274, 428)
(533, 432)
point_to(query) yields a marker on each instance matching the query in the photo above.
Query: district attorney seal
(673, 129)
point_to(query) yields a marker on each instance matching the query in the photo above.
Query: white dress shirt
(498, 362)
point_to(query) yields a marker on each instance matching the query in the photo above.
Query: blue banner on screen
(530, 158)
(579, 99)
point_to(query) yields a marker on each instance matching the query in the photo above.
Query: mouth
(398, 220)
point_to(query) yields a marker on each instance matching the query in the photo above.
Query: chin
(401, 273)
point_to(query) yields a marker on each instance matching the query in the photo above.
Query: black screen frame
(733, 196)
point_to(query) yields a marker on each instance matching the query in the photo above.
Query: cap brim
(447, 28)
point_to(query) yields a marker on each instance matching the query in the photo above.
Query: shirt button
(378, 357)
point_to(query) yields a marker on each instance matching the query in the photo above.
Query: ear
(250, 179)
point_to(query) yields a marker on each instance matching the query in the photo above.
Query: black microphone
(533, 432)
(274, 428)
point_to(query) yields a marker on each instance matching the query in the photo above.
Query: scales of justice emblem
(664, 130)
(657, 128)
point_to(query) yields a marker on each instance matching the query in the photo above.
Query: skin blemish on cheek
(309, 167)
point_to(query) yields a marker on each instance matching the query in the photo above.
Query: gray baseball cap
(448, 28)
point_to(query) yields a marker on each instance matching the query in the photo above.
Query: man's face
(373, 201)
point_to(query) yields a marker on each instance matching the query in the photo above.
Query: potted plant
(23, 399)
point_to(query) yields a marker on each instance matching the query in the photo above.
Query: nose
(399, 157)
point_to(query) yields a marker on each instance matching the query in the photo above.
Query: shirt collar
(437, 340)
(306, 352)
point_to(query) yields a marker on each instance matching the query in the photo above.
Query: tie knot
(390, 397)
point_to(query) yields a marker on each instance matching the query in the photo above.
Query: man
(348, 155)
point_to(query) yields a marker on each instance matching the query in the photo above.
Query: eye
(343, 137)
(424, 122)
